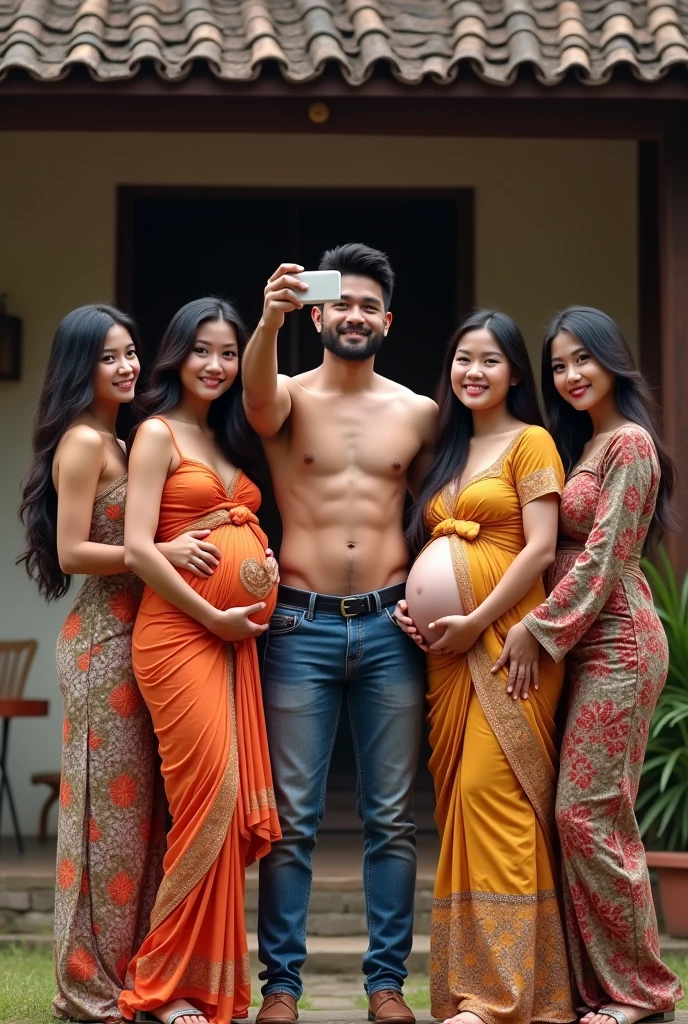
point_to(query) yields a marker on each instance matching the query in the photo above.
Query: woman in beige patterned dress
(110, 829)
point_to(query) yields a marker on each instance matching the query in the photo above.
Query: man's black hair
(356, 258)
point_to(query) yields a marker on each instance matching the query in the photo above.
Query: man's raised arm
(266, 397)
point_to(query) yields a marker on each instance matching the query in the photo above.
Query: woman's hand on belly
(460, 633)
(522, 651)
(191, 551)
(234, 624)
(406, 623)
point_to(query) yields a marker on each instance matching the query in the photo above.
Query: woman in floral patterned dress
(600, 615)
(110, 828)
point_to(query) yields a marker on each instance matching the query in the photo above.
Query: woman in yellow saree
(491, 499)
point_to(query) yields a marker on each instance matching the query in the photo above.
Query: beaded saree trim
(213, 977)
(505, 716)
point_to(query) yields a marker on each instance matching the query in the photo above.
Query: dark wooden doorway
(176, 245)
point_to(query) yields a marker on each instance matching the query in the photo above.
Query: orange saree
(497, 943)
(205, 701)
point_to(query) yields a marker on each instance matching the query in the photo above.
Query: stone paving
(325, 993)
(360, 1017)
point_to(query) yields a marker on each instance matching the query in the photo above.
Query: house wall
(555, 223)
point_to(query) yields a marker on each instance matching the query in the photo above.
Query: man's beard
(335, 343)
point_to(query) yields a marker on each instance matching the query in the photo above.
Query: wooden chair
(16, 657)
(52, 781)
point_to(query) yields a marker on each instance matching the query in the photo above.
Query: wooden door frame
(464, 198)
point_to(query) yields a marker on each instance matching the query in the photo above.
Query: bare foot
(632, 1013)
(465, 1017)
(163, 1012)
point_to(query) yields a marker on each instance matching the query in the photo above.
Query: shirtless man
(343, 445)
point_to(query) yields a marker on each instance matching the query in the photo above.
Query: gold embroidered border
(516, 738)
(542, 481)
(452, 491)
(541, 896)
(233, 484)
(462, 573)
(110, 488)
(211, 976)
(262, 798)
(209, 522)
(506, 719)
(500, 958)
(207, 843)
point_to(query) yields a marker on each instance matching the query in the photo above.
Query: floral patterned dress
(111, 839)
(600, 615)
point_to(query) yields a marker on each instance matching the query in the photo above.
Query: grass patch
(27, 986)
(678, 963)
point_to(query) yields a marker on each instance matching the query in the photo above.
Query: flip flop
(143, 1017)
(621, 1018)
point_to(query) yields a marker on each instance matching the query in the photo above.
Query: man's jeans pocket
(285, 620)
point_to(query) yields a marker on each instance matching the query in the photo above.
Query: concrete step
(332, 912)
(337, 906)
(337, 954)
(326, 954)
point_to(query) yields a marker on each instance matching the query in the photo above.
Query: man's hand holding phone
(291, 288)
(282, 295)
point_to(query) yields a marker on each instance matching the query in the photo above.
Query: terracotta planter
(672, 876)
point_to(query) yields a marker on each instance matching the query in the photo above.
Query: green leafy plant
(664, 791)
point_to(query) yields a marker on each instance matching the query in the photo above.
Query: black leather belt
(348, 607)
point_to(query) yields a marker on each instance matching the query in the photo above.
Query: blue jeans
(313, 662)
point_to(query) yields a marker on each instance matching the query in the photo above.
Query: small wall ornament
(10, 343)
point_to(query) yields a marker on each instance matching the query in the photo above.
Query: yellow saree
(497, 940)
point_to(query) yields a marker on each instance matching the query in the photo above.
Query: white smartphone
(323, 286)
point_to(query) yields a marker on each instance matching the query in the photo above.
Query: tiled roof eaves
(417, 40)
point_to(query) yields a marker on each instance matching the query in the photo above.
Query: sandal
(144, 1017)
(621, 1018)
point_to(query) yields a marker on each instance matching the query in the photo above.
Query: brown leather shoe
(278, 1008)
(388, 1007)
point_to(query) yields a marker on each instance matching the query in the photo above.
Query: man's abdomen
(341, 561)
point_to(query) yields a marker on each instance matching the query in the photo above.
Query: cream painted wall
(556, 223)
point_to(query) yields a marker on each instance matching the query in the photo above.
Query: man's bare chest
(375, 439)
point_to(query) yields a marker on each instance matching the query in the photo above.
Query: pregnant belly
(431, 589)
(243, 577)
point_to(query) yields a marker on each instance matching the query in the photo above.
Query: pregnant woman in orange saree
(497, 952)
(194, 655)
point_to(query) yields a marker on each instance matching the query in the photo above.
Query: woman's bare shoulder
(154, 431)
(80, 440)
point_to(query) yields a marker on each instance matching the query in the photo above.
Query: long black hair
(571, 429)
(67, 392)
(226, 417)
(455, 424)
